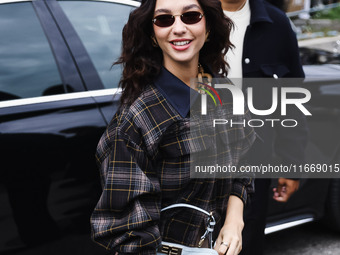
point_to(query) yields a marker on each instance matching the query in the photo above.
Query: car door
(49, 127)
(316, 198)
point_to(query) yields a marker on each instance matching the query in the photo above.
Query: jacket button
(247, 60)
(275, 76)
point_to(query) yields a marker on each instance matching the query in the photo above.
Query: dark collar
(258, 12)
(174, 90)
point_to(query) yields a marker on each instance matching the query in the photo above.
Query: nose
(179, 27)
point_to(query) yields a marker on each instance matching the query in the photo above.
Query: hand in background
(285, 188)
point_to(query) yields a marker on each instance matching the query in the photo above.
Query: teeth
(181, 43)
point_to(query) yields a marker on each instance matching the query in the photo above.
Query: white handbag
(178, 249)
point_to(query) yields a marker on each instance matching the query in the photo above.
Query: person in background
(265, 46)
(144, 155)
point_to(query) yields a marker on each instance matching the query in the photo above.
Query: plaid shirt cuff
(242, 187)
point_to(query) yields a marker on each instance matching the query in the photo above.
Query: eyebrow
(190, 7)
(185, 8)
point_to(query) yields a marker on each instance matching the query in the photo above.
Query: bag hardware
(170, 250)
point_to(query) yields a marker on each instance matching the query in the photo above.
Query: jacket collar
(258, 12)
(174, 90)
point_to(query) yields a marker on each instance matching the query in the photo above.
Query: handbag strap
(185, 205)
(210, 225)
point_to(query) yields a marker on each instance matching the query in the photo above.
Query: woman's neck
(232, 5)
(185, 72)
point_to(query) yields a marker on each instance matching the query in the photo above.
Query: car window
(27, 65)
(99, 26)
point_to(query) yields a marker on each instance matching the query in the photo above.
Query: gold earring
(154, 42)
(206, 37)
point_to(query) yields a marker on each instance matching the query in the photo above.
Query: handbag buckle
(170, 250)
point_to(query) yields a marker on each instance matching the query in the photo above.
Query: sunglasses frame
(154, 20)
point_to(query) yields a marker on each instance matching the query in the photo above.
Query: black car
(317, 198)
(57, 94)
(58, 91)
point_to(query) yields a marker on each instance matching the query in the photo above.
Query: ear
(154, 41)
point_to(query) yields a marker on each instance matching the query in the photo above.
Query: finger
(239, 249)
(233, 248)
(279, 188)
(281, 198)
(290, 184)
(217, 244)
(277, 194)
(223, 247)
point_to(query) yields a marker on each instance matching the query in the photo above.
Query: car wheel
(332, 213)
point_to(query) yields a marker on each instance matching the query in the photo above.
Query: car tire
(332, 210)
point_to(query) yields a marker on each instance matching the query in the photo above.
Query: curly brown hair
(142, 62)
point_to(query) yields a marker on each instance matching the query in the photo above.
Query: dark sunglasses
(189, 18)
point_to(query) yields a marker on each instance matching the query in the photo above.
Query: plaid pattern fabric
(144, 161)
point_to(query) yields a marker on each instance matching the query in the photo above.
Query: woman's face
(180, 42)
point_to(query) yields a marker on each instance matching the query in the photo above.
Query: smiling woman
(180, 41)
(143, 61)
(144, 155)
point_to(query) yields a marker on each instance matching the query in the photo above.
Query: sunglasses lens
(191, 17)
(164, 20)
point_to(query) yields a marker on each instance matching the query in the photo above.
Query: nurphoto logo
(278, 98)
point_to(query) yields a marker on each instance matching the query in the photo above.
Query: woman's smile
(181, 44)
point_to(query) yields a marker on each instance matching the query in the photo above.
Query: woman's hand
(229, 240)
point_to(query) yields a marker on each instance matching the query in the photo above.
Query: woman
(144, 154)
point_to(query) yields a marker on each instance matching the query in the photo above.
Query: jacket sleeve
(126, 217)
(243, 183)
(243, 187)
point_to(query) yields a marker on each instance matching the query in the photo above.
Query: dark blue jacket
(270, 45)
(270, 50)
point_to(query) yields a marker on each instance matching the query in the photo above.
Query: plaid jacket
(144, 159)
